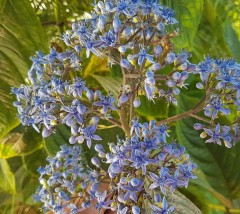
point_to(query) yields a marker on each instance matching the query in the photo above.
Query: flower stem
(190, 113)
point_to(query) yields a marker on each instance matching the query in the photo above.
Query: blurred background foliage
(207, 27)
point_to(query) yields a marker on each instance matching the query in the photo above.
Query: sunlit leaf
(7, 180)
(189, 15)
(110, 84)
(232, 39)
(21, 35)
(20, 141)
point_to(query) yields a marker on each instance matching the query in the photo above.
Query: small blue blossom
(106, 103)
(164, 209)
(214, 106)
(88, 135)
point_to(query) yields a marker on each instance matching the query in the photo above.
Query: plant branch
(190, 113)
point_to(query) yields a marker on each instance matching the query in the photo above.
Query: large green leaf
(157, 110)
(60, 137)
(20, 141)
(189, 15)
(219, 164)
(209, 39)
(7, 180)
(182, 204)
(26, 176)
(232, 39)
(21, 35)
(110, 84)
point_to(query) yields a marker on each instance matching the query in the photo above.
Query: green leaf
(157, 110)
(182, 204)
(94, 65)
(20, 141)
(232, 39)
(188, 13)
(20, 36)
(218, 163)
(110, 84)
(7, 180)
(61, 136)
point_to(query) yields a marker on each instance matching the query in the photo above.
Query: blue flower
(109, 39)
(205, 68)
(160, 181)
(140, 159)
(135, 127)
(132, 190)
(164, 209)
(45, 116)
(77, 88)
(102, 202)
(214, 106)
(88, 135)
(106, 103)
(216, 135)
(141, 56)
(75, 113)
(91, 46)
(124, 7)
(149, 144)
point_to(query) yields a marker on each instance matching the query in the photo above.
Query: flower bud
(183, 66)
(203, 135)
(171, 83)
(170, 58)
(101, 23)
(122, 49)
(157, 50)
(136, 210)
(127, 32)
(136, 102)
(78, 48)
(116, 24)
(95, 186)
(157, 197)
(123, 180)
(74, 26)
(176, 91)
(198, 126)
(100, 5)
(199, 85)
(95, 161)
(135, 182)
(123, 98)
(125, 64)
(108, 6)
(99, 148)
(160, 26)
(191, 68)
(155, 67)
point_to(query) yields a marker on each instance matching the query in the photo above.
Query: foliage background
(208, 27)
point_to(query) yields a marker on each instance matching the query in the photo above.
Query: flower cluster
(220, 78)
(140, 172)
(49, 100)
(63, 181)
(229, 135)
(133, 34)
